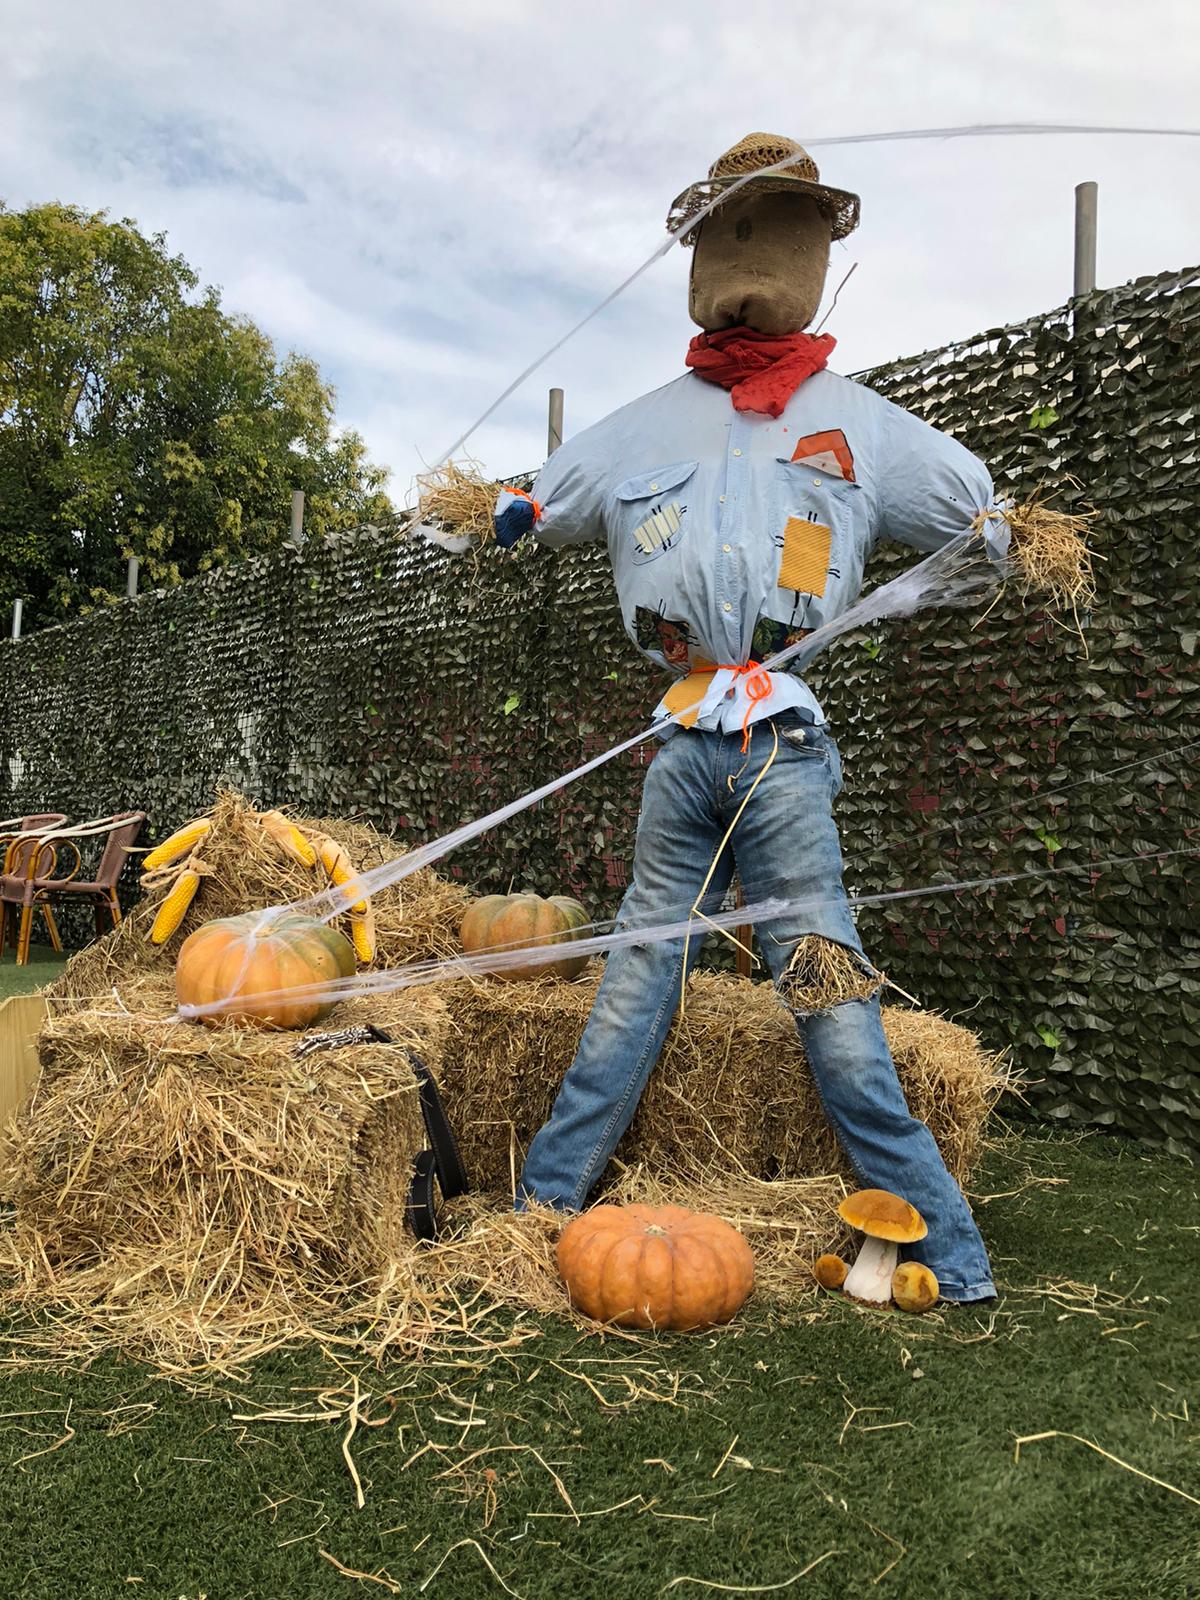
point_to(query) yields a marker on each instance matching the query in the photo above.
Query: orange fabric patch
(686, 694)
(805, 564)
(828, 452)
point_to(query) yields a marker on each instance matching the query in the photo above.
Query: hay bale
(186, 1181)
(415, 920)
(949, 1080)
(731, 1089)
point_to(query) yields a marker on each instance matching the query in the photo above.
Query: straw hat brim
(839, 205)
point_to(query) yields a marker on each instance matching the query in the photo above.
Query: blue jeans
(784, 846)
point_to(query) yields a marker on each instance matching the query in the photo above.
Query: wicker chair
(36, 822)
(28, 883)
(17, 841)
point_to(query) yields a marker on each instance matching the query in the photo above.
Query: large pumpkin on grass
(249, 959)
(517, 921)
(655, 1266)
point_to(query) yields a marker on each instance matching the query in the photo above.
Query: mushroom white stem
(870, 1278)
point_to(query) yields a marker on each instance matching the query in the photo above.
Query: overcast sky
(423, 197)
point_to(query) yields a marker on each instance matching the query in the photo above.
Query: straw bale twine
(731, 1089)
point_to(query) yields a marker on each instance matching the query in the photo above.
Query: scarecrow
(740, 503)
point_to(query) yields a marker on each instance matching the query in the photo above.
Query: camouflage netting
(375, 678)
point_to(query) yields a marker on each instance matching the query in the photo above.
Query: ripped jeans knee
(823, 974)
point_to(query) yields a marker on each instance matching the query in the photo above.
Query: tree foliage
(139, 418)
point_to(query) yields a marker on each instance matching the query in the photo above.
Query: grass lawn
(43, 966)
(874, 1455)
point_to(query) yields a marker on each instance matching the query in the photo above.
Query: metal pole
(1085, 238)
(131, 577)
(554, 432)
(297, 516)
(18, 608)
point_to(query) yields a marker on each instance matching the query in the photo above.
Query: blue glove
(514, 516)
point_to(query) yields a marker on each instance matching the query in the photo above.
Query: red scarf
(762, 370)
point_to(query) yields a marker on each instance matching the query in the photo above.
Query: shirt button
(727, 606)
(721, 498)
(727, 548)
(817, 481)
(737, 452)
(654, 486)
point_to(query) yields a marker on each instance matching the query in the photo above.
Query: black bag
(440, 1160)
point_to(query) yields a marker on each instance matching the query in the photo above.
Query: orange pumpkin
(517, 921)
(655, 1266)
(246, 959)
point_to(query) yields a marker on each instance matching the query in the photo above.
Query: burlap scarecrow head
(761, 257)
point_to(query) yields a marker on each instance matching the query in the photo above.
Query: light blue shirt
(731, 534)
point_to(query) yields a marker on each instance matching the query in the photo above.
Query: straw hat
(755, 151)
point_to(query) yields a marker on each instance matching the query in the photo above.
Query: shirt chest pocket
(649, 513)
(818, 528)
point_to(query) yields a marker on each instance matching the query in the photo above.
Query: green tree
(139, 418)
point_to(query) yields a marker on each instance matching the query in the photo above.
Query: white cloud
(423, 200)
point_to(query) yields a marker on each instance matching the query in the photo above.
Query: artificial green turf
(161, 1495)
(43, 966)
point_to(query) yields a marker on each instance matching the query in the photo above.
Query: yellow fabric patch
(685, 696)
(805, 564)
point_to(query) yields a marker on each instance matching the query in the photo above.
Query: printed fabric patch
(670, 635)
(827, 452)
(771, 636)
(804, 565)
(660, 532)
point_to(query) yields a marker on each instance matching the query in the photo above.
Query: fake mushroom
(888, 1222)
(830, 1271)
(914, 1287)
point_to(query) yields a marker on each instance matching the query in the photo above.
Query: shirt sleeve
(930, 489)
(570, 491)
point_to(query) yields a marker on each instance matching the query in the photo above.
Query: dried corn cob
(339, 867)
(174, 907)
(289, 837)
(179, 844)
(362, 933)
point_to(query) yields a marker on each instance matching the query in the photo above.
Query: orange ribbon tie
(758, 687)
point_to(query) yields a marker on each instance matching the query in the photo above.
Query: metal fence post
(297, 516)
(131, 577)
(1085, 238)
(18, 610)
(555, 430)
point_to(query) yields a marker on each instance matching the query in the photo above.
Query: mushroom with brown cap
(914, 1287)
(888, 1222)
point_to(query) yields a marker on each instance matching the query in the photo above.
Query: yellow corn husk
(339, 867)
(362, 935)
(179, 844)
(174, 907)
(289, 837)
